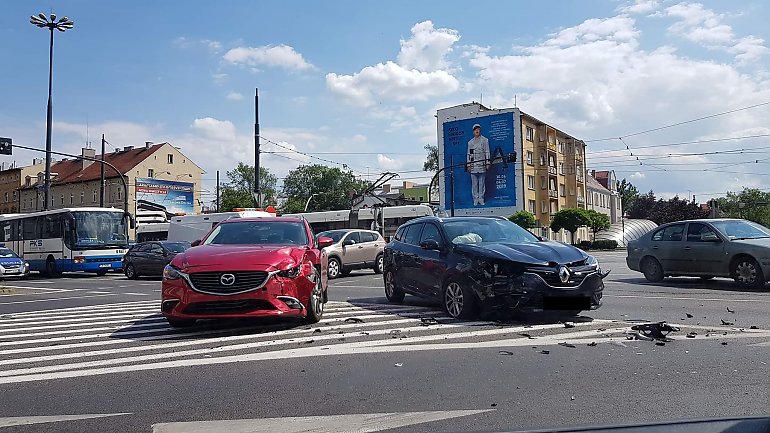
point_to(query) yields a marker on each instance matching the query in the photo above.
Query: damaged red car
(249, 267)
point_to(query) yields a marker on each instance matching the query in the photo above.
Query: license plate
(566, 303)
(105, 265)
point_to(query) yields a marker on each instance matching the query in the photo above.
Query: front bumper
(531, 292)
(277, 297)
(14, 271)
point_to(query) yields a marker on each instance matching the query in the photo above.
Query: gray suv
(353, 249)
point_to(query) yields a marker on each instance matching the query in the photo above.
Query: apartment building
(11, 179)
(603, 194)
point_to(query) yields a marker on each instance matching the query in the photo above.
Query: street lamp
(52, 24)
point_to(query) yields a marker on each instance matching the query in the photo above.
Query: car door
(370, 247)
(666, 245)
(156, 259)
(411, 258)
(139, 257)
(431, 263)
(704, 250)
(352, 250)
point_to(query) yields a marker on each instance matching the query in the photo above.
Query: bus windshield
(100, 229)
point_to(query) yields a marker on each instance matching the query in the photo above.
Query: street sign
(6, 146)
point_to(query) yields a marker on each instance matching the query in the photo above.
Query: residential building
(603, 194)
(13, 178)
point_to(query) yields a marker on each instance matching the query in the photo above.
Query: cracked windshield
(341, 216)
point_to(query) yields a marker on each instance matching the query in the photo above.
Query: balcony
(553, 193)
(581, 200)
(552, 147)
(552, 170)
(580, 178)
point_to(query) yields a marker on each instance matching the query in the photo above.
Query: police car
(11, 265)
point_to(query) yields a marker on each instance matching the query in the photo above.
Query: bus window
(32, 228)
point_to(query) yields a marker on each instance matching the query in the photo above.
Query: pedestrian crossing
(133, 336)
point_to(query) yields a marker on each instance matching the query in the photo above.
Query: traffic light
(6, 147)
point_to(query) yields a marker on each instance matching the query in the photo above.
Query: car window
(740, 229)
(671, 233)
(354, 236)
(699, 232)
(176, 247)
(335, 235)
(258, 233)
(156, 249)
(368, 237)
(400, 234)
(412, 235)
(483, 230)
(143, 248)
(430, 232)
(6, 253)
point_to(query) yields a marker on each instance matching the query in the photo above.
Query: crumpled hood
(537, 253)
(241, 257)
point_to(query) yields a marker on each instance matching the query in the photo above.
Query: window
(62, 199)
(14, 195)
(531, 182)
(544, 207)
(400, 234)
(562, 190)
(532, 207)
(530, 157)
(672, 233)
(368, 237)
(353, 236)
(542, 159)
(596, 199)
(699, 232)
(170, 158)
(151, 172)
(6, 198)
(82, 197)
(552, 161)
(430, 232)
(72, 198)
(412, 235)
(94, 196)
(543, 183)
(31, 228)
(561, 168)
(421, 198)
(530, 133)
(52, 227)
(552, 185)
(156, 249)
(120, 193)
(560, 146)
(590, 198)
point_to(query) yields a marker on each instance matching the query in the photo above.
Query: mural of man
(478, 162)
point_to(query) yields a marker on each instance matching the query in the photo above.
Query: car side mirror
(195, 243)
(348, 242)
(429, 244)
(710, 237)
(324, 242)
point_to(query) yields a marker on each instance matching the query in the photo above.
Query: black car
(469, 263)
(149, 258)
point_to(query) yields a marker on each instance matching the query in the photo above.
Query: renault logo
(227, 279)
(563, 274)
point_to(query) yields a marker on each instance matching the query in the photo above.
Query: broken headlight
(591, 261)
(291, 272)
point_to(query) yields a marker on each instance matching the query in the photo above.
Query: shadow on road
(722, 284)
(155, 327)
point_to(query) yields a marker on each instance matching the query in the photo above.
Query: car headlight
(290, 273)
(591, 261)
(26, 266)
(171, 273)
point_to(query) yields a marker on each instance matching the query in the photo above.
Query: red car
(248, 267)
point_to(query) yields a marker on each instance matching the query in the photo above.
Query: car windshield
(738, 230)
(336, 235)
(258, 232)
(486, 230)
(176, 247)
(6, 253)
(100, 229)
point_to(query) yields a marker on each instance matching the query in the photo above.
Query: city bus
(86, 239)
(190, 228)
(385, 220)
(152, 232)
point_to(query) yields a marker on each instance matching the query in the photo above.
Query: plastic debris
(493, 405)
(427, 321)
(729, 310)
(569, 325)
(572, 398)
(317, 331)
(660, 343)
(354, 320)
(657, 330)
(724, 343)
(567, 345)
(692, 334)
(504, 352)
(399, 364)
(545, 352)
(524, 334)
(689, 316)
(592, 344)
(727, 323)
(637, 336)
(753, 327)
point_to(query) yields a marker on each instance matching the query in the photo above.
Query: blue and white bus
(88, 239)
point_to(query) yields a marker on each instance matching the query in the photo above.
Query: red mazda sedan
(248, 267)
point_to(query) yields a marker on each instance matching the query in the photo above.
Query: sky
(672, 95)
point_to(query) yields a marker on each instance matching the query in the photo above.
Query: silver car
(353, 249)
(707, 248)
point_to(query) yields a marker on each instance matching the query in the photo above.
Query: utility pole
(101, 176)
(217, 190)
(257, 192)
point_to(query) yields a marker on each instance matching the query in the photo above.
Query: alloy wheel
(453, 299)
(389, 284)
(746, 272)
(334, 269)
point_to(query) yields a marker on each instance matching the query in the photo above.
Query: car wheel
(334, 268)
(652, 270)
(130, 272)
(315, 308)
(747, 273)
(458, 300)
(378, 263)
(392, 291)
(50, 268)
(180, 323)
(101, 273)
(346, 271)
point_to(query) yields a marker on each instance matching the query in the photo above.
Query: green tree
(647, 206)
(628, 194)
(570, 219)
(238, 191)
(431, 160)
(332, 187)
(751, 204)
(597, 222)
(523, 219)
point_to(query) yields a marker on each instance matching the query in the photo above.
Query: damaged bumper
(531, 291)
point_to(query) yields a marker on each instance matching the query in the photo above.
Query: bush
(605, 244)
(585, 245)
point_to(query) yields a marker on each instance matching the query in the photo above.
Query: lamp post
(49, 22)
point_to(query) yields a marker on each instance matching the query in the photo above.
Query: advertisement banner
(175, 197)
(478, 148)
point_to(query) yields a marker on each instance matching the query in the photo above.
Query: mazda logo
(563, 274)
(227, 279)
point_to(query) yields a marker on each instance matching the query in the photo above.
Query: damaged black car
(475, 263)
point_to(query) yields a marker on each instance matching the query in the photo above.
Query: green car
(706, 248)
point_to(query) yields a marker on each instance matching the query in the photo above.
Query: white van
(194, 227)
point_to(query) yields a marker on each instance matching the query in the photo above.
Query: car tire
(101, 273)
(315, 306)
(346, 271)
(458, 299)
(334, 269)
(130, 272)
(748, 273)
(392, 291)
(379, 262)
(180, 323)
(50, 268)
(652, 270)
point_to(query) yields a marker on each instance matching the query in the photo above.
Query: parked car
(248, 267)
(468, 263)
(354, 249)
(11, 265)
(149, 258)
(706, 248)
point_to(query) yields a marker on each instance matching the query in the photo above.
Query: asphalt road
(91, 354)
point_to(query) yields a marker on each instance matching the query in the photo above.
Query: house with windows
(602, 194)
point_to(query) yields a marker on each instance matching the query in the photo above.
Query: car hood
(537, 253)
(762, 242)
(239, 256)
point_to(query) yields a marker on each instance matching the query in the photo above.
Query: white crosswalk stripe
(133, 336)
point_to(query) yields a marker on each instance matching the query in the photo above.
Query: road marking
(54, 299)
(97, 292)
(27, 420)
(85, 307)
(43, 289)
(137, 294)
(685, 298)
(360, 423)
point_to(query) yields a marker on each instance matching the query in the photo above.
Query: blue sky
(347, 76)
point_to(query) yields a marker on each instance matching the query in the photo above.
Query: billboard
(174, 197)
(478, 148)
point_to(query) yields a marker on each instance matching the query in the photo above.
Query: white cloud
(183, 42)
(389, 163)
(281, 56)
(428, 47)
(638, 175)
(215, 129)
(640, 7)
(219, 78)
(234, 96)
(748, 49)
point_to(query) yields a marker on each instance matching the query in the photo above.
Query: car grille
(13, 266)
(228, 307)
(210, 282)
(551, 275)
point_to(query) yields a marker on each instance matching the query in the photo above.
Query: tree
(238, 192)
(628, 194)
(751, 204)
(523, 218)
(665, 211)
(431, 160)
(332, 188)
(570, 219)
(597, 221)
